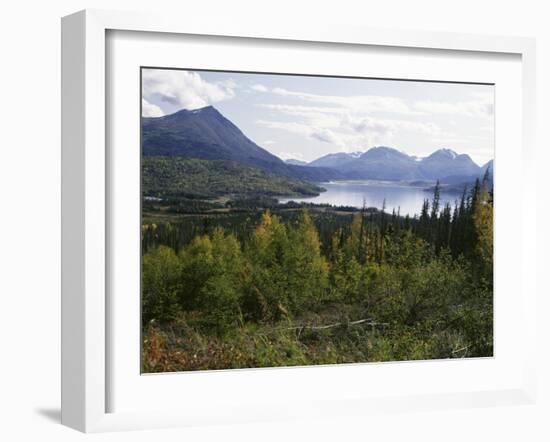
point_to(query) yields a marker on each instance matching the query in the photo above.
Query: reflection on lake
(408, 199)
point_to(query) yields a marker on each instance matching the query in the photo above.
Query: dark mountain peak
(207, 119)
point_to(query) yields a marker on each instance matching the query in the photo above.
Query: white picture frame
(86, 353)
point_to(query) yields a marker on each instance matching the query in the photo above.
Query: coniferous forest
(256, 283)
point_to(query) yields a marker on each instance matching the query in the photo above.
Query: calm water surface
(407, 198)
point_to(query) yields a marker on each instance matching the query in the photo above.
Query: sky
(306, 117)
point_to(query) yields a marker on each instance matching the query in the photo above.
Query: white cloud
(363, 103)
(347, 141)
(300, 110)
(487, 95)
(479, 108)
(342, 119)
(296, 128)
(259, 88)
(150, 110)
(430, 129)
(325, 135)
(184, 89)
(229, 83)
(345, 129)
(368, 125)
(315, 115)
(316, 133)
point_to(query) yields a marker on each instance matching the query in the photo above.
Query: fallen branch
(338, 324)
(460, 349)
(303, 327)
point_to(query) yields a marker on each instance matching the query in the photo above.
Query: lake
(407, 198)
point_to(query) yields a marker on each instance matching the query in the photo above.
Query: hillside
(178, 177)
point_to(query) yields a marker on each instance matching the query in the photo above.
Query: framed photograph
(263, 224)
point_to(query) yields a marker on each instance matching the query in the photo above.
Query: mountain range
(206, 134)
(387, 163)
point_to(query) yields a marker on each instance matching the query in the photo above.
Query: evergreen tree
(444, 228)
(459, 225)
(423, 229)
(434, 214)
